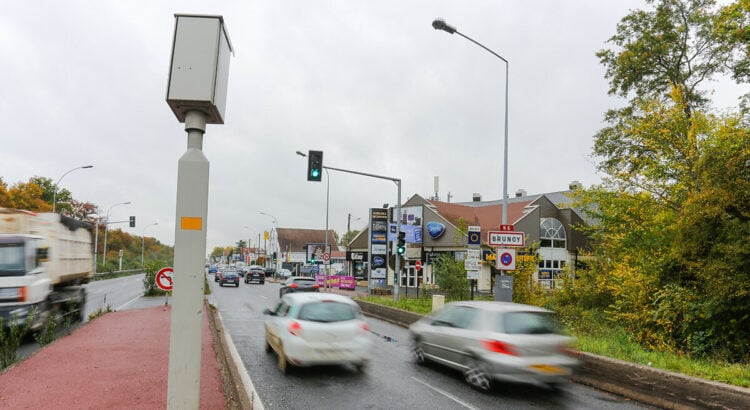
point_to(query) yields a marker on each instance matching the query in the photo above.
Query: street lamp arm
(54, 192)
(482, 45)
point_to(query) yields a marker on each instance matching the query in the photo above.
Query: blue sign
(435, 229)
(413, 233)
(378, 261)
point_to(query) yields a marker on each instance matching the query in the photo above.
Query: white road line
(446, 394)
(127, 303)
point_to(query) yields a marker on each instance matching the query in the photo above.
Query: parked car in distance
(298, 284)
(308, 329)
(217, 276)
(213, 269)
(492, 341)
(255, 275)
(270, 272)
(284, 273)
(232, 277)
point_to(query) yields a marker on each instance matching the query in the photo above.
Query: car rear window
(327, 312)
(304, 281)
(529, 323)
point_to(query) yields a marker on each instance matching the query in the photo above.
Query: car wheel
(282, 363)
(221, 284)
(267, 346)
(476, 376)
(417, 353)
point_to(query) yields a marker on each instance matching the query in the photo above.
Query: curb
(644, 384)
(248, 396)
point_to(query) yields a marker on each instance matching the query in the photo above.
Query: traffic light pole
(397, 181)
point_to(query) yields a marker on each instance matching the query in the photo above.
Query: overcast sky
(370, 83)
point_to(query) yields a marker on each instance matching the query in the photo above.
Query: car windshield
(327, 311)
(529, 323)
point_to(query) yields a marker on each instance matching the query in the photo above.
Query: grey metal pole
(106, 229)
(397, 256)
(327, 264)
(440, 24)
(185, 335)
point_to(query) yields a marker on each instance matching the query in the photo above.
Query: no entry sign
(164, 279)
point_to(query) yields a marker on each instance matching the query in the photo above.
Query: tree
(4, 198)
(28, 196)
(347, 238)
(450, 275)
(669, 220)
(671, 46)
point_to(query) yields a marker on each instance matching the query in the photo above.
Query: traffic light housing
(314, 165)
(132, 222)
(401, 243)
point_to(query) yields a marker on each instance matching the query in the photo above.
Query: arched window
(551, 233)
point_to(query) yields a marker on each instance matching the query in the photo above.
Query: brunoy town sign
(503, 238)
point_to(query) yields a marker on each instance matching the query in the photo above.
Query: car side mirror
(268, 312)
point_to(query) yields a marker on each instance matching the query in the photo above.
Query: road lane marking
(127, 303)
(446, 394)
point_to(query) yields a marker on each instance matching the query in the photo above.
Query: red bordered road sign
(164, 279)
(418, 265)
(326, 257)
(506, 259)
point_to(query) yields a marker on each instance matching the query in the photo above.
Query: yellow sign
(191, 223)
(265, 235)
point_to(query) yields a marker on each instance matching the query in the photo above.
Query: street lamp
(143, 240)
(276, 225)
(328, 190)
(54, 193)
(106, 229)
(440, 24)
(247, 258)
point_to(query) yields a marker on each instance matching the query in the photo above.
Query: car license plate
(545, 368)
(9, 293)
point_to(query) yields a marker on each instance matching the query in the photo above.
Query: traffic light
(132, 222)
(401, 244)
(314, 165)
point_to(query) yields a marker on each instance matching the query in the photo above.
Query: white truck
(44, 260)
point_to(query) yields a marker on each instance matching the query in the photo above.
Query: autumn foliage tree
(672, 212)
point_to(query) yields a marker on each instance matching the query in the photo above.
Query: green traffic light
(401, 250)
(315, 173)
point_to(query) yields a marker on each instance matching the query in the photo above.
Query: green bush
(11, 337)
(150, 270)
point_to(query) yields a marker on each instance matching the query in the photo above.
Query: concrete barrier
(641, 383)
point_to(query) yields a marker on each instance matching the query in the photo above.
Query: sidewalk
(119, 360)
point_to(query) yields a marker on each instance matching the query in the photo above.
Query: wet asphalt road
(391, 381)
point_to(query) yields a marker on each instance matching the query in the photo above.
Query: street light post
(106, 229)
(440, 24)
(276, 225)
(143, 240)
(54, 192)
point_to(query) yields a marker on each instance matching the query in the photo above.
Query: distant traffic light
(132, 222)
(314, 165)
(401, 244)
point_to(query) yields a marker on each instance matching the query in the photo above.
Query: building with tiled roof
(291, 244)
(547, 220)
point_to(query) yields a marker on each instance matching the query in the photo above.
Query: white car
(308, 329)
(284, 273)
